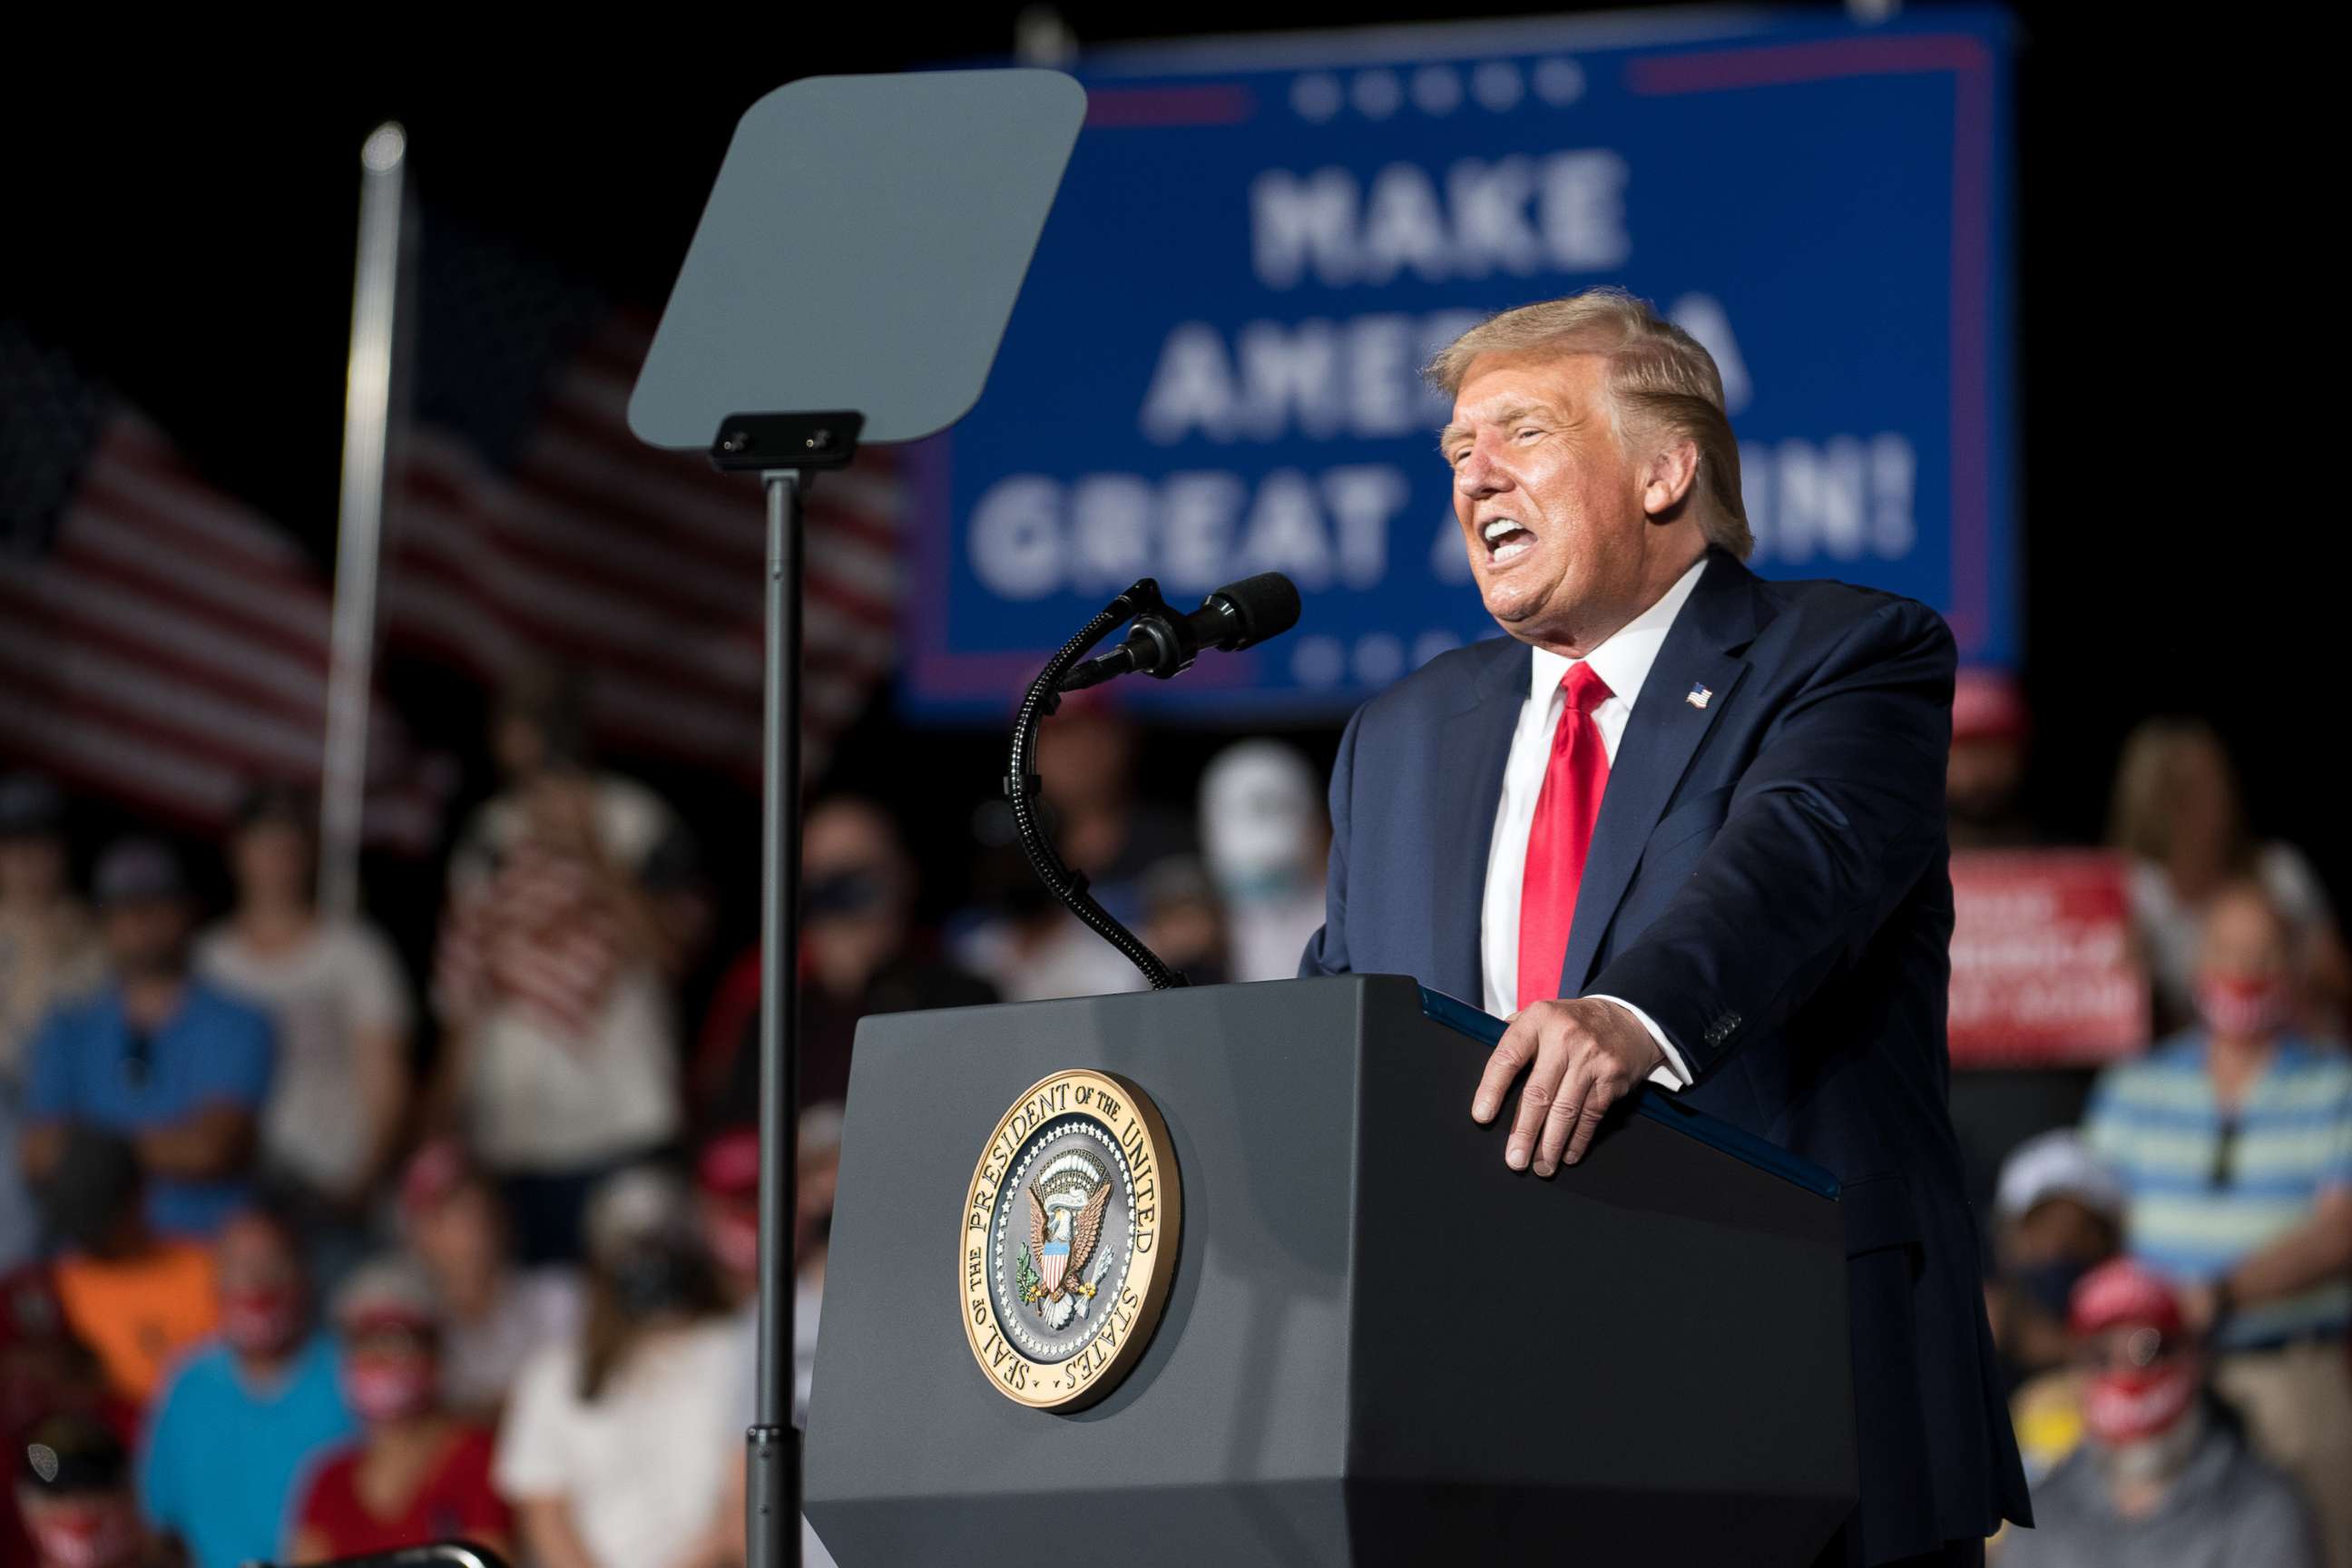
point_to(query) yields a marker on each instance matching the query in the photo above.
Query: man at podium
(1686, 827)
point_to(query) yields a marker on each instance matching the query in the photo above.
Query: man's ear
(1667, 481)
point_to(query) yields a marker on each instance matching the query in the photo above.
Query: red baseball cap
(2122, 1293)
(730, 1165)
(1987, 705)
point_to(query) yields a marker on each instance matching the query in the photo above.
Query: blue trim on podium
(1662, 1108)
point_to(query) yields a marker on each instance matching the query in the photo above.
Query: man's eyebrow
(1508, 413)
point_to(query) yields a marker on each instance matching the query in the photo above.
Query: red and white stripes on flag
(536, 934)
(638, 570)
(169, 648)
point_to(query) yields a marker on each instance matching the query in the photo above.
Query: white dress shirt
(1622, 662)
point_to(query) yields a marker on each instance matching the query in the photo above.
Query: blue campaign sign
(1212, 369)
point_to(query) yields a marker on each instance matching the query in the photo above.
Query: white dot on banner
(1429, 645)
(1559, 80)
(1436, 90)
(1496, 85)
(1319, 661)
(1315, 96)
(1377, 94)
(1379, 658)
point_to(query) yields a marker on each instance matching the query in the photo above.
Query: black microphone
(1163, 643)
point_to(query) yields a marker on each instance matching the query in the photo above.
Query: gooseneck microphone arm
(1020, 785)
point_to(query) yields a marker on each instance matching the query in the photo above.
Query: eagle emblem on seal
(1065, 1216)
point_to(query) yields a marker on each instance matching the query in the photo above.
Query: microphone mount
(1141, 599)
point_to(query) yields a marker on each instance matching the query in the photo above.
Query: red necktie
(1561, 835)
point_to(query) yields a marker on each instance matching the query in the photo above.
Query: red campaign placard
(2044, 972)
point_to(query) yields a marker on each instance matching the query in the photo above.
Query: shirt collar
(1623, 660)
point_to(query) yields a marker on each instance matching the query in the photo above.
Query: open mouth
(1506, 540)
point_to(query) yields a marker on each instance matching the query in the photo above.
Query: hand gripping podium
(1378, 1344)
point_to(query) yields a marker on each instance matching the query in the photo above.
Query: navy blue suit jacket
(1767, 880)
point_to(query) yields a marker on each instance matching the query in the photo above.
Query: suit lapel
(1472, 746)
(1660, 738)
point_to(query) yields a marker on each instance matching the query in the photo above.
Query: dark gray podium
(1381, 1345)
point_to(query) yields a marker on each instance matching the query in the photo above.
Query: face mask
(851, 892)
(1257, 815)
(259, 1322)
(654, 1277)
(2121, 1408)
(2240, 1006)
(2156, 1458)
(388, 1388)
(95, 1537)
(2051, 1286)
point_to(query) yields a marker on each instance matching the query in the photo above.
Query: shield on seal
(1053, 1264)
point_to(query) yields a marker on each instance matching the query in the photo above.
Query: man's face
(146, 936)
(1549, 502)
(272, 860)
(458, 1237)
(252, 1256)
(1981, 778)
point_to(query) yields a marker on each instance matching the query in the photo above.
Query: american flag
(161, 644)
(528, 525)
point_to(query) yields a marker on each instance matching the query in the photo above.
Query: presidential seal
(1069, 1239)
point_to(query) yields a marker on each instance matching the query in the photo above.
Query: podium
(1378, 1344)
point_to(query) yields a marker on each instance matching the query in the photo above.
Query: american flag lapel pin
(1698, 696)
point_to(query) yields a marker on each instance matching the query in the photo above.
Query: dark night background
(181, 214)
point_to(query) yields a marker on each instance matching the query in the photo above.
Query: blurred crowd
(306, 1254)
(2169, 1271)
(302, 1253)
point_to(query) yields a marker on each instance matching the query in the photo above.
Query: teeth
(1500, 527)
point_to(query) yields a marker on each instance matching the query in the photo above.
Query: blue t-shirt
(224, 1464)
(215, 1049)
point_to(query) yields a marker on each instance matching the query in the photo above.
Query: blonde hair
(2148, 782)
(1657, 373)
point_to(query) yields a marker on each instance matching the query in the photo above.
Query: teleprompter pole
(787, 451)
(778, 305)
(773, 1445)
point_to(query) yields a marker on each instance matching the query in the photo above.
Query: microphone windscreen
(1267, 606)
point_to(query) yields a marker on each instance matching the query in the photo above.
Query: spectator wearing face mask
(136, 1298)
(74, 1494)
(494, 1312)
(2179, 814)
(45, 1373)
(860, 955)
(615, 1452)
(1263, 834)
(2234, 1142)
(166, 1058)
(2165, 1478)
(2060, 1214)
(241, 1422)
(418, 1474)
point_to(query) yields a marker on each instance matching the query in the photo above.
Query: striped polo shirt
(2157, 1122)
